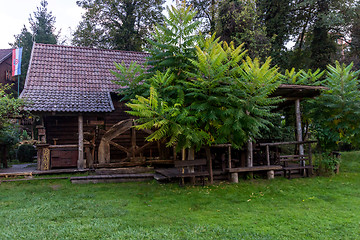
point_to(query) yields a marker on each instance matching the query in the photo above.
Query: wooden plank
(198, 162)
(285, 143)
(111, 171)
(294, 156)
(118, 146)
(60, 171)
(142, 148)
(255, 168)
(89, 158)
(33, 179)
(113, 178)
(209, 162)
(63, 146)
(119, 164)
(80, 162)
(268, 155)
(298, 168)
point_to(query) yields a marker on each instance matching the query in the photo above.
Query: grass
(307, 208)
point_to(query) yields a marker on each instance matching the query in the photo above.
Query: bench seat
(254, 169)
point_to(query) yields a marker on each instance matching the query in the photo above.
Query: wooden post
(191, 156)
(80, 162)
(310, 160)
(208, 157)
(267, 155)
(271, 174)
(183, 156)
(298, 126)
(234, 177)
(133, 141)
(250, 156)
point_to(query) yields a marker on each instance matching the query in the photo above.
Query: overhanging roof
(73, 79)
(292, 91)
(5, 54)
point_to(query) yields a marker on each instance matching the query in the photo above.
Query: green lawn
(308, 208)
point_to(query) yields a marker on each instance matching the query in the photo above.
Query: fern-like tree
(226, 99)
(173, 43)
(213, 95)
(336, 113)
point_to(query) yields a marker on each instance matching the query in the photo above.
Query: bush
(25, 153)
(325, 163)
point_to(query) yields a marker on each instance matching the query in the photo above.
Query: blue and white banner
(16, 61)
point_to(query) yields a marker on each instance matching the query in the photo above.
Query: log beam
(80, 162)
(299, 128)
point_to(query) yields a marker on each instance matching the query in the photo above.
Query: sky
(14, 14)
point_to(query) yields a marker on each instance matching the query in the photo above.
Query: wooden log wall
(64, 131)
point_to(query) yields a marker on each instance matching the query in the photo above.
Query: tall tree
(239, 21)
(42, 30)
(206, 12)
(117, 24)
(276, 16)
(322, 46)
(336, 112)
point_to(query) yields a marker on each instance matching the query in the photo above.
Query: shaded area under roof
(292, 91)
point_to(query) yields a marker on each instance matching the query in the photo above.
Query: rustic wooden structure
(291, 163)
(293, 94)
(83, 125)
(5, 68)
(186, 169)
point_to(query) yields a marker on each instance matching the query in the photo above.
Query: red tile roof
(73, 79)
(5, 54)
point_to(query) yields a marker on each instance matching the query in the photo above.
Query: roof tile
(73, 79)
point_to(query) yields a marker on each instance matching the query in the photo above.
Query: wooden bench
(268, 168)
(186, 169)
(296, 162)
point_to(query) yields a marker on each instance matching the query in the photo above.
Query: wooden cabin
(5, 67)
(82, 124)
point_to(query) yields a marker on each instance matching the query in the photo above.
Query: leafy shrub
(325, 163)
(26, 152)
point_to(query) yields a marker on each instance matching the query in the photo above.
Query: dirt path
(19, 168)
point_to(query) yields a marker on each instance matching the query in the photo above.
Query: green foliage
(229, 95)
(117, 24)
(25, 153)
(278, 20)
(336, 112)
(239, 21)
(42, 25)
(9, 106)
(225, 98)
(173, 44)
(130, 80)
(206, 12)
(42, 30)
(303, 78)
(325, 163)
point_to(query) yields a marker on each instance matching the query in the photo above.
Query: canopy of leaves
(42, 30)
(173, 44)
(225, 99)
(117, 24)
(9, 107)
(336, 112)
(239, 21)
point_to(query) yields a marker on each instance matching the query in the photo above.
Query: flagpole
(18, 86)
